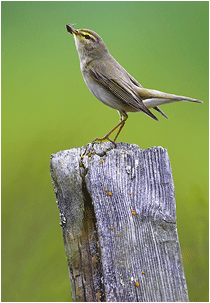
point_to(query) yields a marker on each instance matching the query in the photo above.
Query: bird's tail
(153, 98)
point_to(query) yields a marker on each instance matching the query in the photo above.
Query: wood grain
(118, 216)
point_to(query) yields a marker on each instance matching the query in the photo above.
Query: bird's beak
(71, 30)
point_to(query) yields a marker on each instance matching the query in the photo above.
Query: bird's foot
(103, 139)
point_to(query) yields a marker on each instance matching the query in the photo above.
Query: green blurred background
(46, 107)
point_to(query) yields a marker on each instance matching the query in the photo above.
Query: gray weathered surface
(117, 208)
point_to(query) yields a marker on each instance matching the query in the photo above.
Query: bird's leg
(120, 125)
(106, 137)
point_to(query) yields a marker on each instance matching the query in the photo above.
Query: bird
(111, 84)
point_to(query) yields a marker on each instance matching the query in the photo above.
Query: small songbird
(110, 83)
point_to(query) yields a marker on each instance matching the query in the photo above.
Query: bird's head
(88, 43)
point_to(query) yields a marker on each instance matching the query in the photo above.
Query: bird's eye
(87, 36)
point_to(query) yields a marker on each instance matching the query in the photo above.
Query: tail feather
(153, 102)
(153, 98)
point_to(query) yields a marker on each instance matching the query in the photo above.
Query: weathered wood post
(118, 216)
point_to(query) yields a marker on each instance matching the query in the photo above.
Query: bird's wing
(160, 111)
(121, 89)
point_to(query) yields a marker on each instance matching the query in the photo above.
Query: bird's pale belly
(106, 97)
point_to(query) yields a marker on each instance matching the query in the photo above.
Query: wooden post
(118, 216)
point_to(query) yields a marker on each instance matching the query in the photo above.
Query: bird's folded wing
(160, 111)
(122, 90)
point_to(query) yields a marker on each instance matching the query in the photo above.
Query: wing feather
(121, 90)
